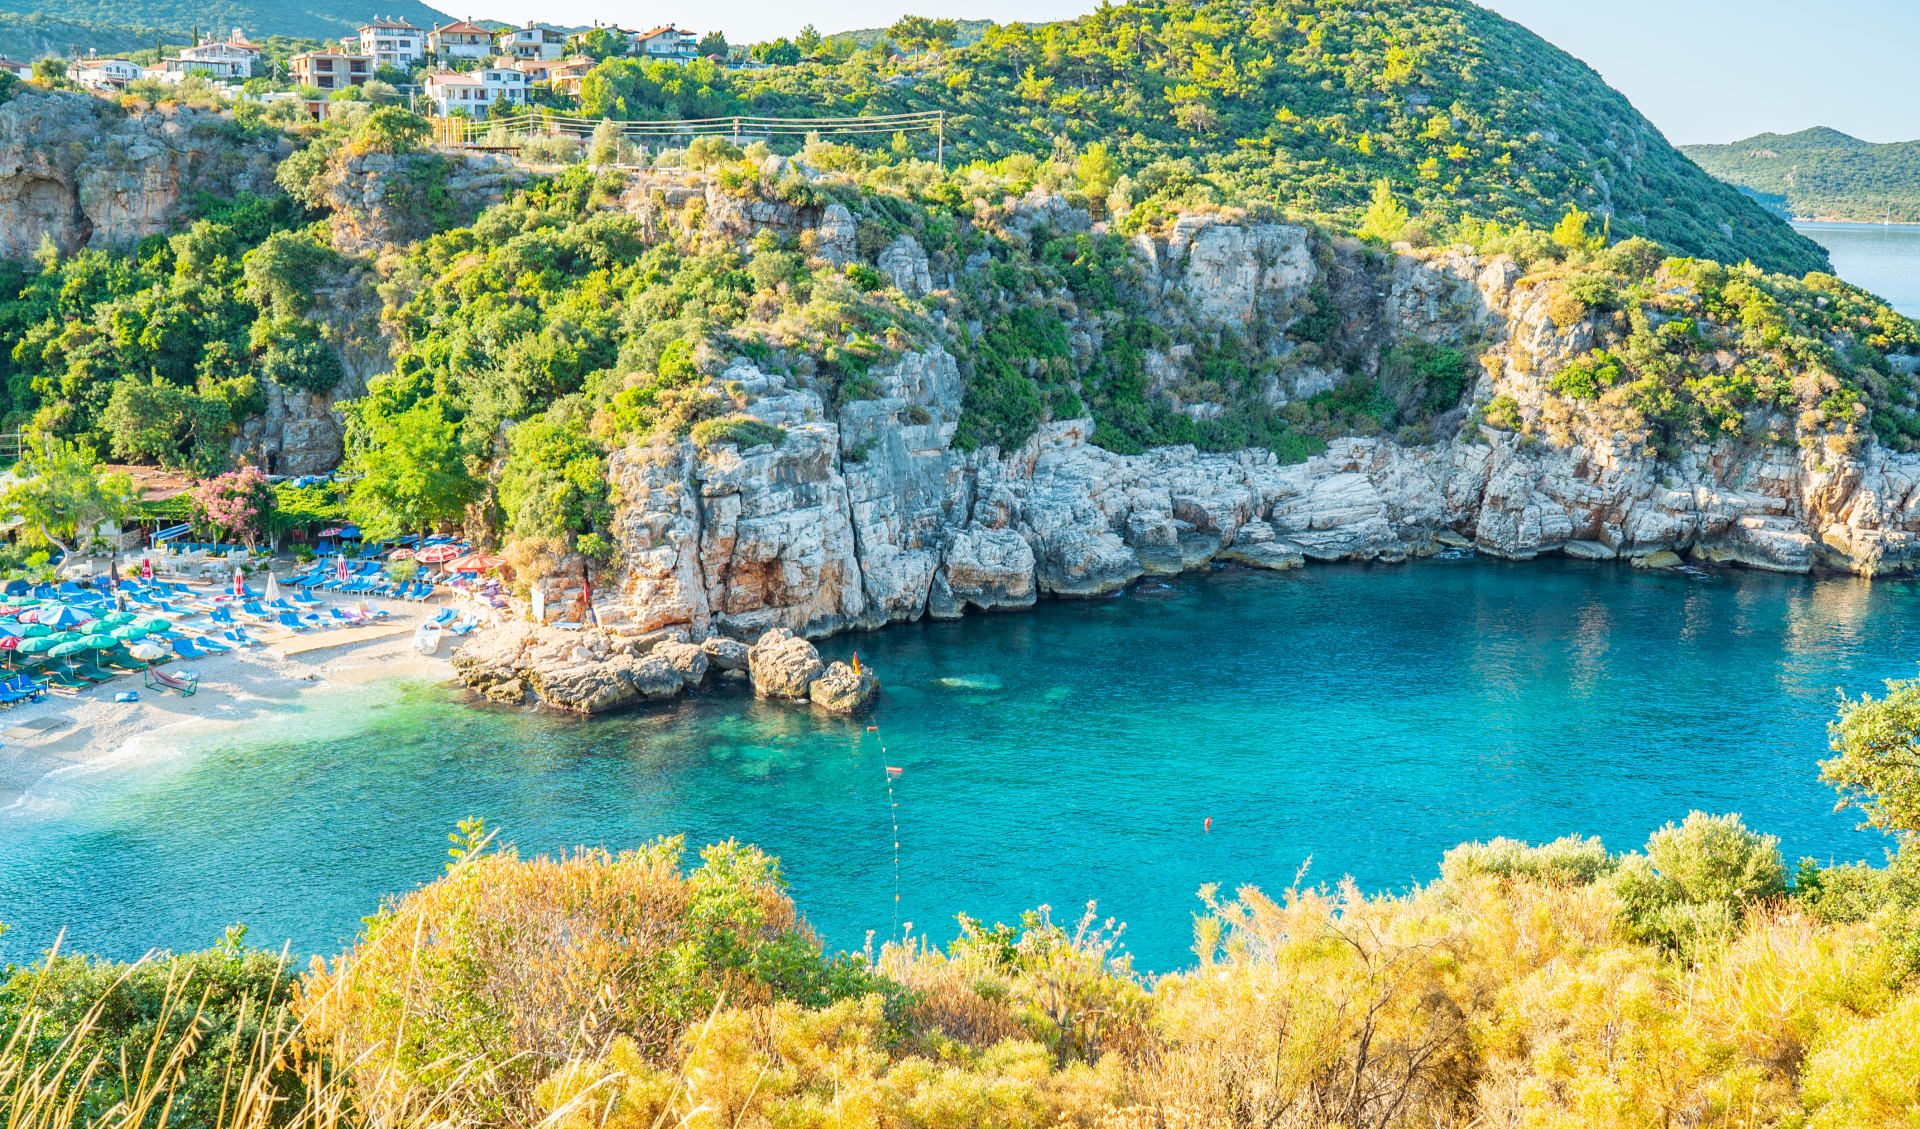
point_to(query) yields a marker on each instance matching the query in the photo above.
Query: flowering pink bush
(237, 503)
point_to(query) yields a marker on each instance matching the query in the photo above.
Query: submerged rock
(1664, 559)
(843, 689)
(783, 665)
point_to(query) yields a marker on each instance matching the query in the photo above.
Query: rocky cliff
(86, 174)
(867, 514)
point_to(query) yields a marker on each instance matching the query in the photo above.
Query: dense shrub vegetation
(1300, 104)
(1690, 983)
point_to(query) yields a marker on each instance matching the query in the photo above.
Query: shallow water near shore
(1366, 717)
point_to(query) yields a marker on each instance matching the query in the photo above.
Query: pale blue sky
(1702, 70)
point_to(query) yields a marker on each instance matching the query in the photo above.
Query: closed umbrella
(273, 587)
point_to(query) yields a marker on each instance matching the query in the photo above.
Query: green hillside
(310, 18)
(35, 36)
(1300, 103)
(1822, 174)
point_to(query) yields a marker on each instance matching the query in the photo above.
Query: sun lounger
(289, 620)
(445, 617)
(185, 685)
(239, 638)
(211, 645)
(184, 647)
(223, 616)
(65, 680)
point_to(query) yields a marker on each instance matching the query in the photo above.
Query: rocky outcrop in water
(84, 173)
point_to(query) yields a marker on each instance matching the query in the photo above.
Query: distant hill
(318, 19)
(968, 32)
(1821, 174)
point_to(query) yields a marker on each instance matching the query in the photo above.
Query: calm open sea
(1883, 259)
(1363, 717)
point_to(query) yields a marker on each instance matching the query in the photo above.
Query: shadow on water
(1363, 717)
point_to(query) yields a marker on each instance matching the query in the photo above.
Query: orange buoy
(1209, 825)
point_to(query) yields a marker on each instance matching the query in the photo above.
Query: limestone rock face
(864, 513)
(988, 568)
(783, 665)
(905, 263)
(843, 690)
(382, 198)
(84, 173)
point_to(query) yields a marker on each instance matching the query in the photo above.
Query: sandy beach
(241, 687)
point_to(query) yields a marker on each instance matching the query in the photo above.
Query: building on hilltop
(103, 74)
(15, 68)
(460, 40)
(476, 91)
(392, 43)
(228, 58)
(676, 44)
(330, 70)
(534, 41)
(562, 73)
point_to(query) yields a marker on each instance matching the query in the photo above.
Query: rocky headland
(867, 513)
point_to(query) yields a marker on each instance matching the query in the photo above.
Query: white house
(16, 68)
(476, 90)
(393, 43)
(229, 58)
(673, 43)
(460, 40)
(534, 41)
(103, 74)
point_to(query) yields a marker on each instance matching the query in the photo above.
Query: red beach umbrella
(437, 554)
(400, 555)
(9, 642)
(476, 563)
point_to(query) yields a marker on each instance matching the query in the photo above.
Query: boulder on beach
(687, 658)
(725, 653)
(588, 687)
(654, 676)
(783, 665)
(843, 689)
(1663, 559)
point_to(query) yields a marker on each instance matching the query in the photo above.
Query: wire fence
(489, 133)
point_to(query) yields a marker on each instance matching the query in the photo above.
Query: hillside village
(459, 69)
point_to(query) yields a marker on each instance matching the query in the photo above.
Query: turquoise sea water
(1366, 717)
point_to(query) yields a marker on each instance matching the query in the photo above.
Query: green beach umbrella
(129, 632)
(36, 630)
(155, 624)
(66, 637)
(70, 647)
(97, 642)
(38, 644)
(115, 619)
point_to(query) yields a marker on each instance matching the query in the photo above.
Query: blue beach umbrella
(62, 616)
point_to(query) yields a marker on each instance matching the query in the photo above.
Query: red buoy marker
(1209, 825)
